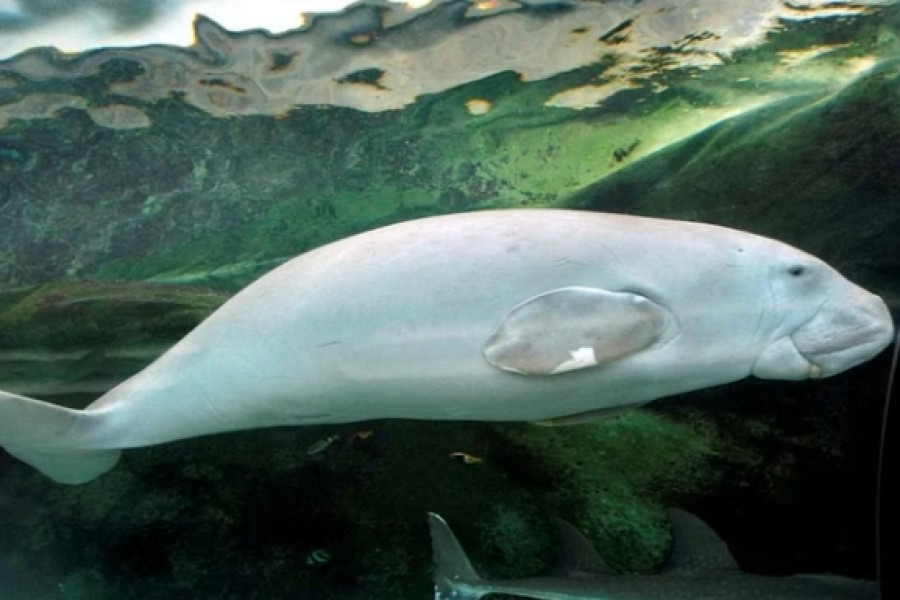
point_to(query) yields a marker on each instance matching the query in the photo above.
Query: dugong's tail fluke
(44, 436)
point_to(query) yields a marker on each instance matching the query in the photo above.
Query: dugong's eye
(796, 270)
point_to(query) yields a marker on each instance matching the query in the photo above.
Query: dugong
(508, 315)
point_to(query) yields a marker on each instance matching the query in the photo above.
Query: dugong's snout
(846, 330)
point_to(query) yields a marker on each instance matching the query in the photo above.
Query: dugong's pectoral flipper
(574, 328)
(46, 437)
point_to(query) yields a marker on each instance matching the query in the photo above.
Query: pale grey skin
(700, 567)
(435, 319)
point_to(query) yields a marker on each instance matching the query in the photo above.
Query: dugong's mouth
(843, 335)
(824, 363)
(831, 351)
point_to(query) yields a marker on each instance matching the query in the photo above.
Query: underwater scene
(452, 299)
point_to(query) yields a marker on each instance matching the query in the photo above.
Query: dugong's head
(826, 324)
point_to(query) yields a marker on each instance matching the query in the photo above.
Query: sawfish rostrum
(699, 567)
(524, 315)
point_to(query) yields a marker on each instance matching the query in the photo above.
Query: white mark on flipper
(581, 358)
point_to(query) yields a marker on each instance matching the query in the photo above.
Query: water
(144, 179)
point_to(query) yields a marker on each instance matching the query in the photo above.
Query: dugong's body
(500, 315)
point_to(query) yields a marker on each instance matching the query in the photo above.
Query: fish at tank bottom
(508, 315)
(699, 566)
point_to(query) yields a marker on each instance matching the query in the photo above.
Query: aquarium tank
(581, 299)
